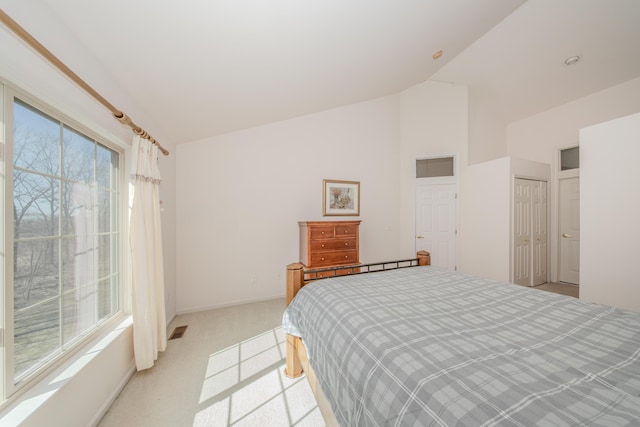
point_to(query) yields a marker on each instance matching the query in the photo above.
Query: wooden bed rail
(297, 277)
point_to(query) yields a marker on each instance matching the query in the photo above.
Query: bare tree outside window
(65, 236)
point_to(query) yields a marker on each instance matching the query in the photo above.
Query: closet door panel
(522, 232)
(530, 232)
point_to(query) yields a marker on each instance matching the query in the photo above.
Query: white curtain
(145, 238)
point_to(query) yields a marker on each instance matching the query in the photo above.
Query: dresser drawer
(333, 245)
(334, 258)
(322, 233)
(346, 230)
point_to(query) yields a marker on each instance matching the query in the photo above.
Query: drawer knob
(346, 244)
(322, 232)
(323, 245)
(345, 231)
(346, 256)
(321, 259)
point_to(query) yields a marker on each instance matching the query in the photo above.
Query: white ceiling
(517, 69)
(207, 67)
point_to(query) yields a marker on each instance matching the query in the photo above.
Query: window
(432, 168)
(66, 234)
(570, 158)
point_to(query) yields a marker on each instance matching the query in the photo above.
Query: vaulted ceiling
(208, 67)
(518, 68)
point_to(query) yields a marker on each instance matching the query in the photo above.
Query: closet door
(522, 232)
(530, 232)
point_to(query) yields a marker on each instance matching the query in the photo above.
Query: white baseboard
(229, 304)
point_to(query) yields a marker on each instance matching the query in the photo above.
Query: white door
(529, 232)
(522, 232)
(436, 223)
(570, 230)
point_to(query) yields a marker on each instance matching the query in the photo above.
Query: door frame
(575, 173)
(511, 222)
(559, 175)
(440, 180)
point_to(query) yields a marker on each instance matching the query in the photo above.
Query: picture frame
(340, 198)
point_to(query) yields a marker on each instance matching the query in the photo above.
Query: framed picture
(340, 198)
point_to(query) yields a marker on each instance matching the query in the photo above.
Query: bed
(416, 345)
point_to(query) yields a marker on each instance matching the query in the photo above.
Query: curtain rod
(43, 51)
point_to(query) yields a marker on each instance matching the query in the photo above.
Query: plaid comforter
(424, 346)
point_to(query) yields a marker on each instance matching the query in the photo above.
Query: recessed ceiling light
(572, 60)
(437, 55)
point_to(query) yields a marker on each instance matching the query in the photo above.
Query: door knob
(565, 235)
(419, 237)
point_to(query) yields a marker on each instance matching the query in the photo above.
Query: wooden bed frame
(297, 360)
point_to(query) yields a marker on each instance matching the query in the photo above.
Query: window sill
(21, 407)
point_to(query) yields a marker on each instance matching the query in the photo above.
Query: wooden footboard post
(424, 258)
(295, 276)
(293, 368)
(295, 279)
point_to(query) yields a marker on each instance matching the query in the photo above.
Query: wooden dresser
(329, 243)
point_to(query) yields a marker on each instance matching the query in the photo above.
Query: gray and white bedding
(424, 346)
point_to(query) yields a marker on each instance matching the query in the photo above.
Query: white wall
(105, 374)
(539, 137)
(487, 128)
(167, 165)
(488, 213)
(241, 195)
(609, 213)
(432, 122)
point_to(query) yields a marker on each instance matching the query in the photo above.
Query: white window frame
(10, 391)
